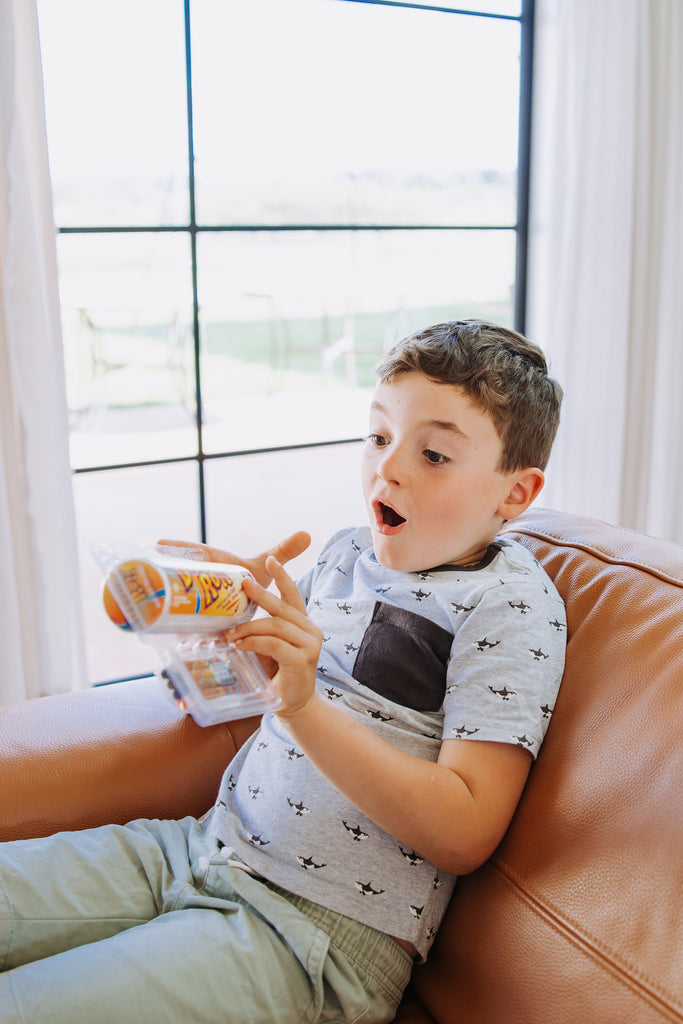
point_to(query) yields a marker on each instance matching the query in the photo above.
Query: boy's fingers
(275, 628)
(208, 553)
(291, 547)
(287, 549)
(290, 600)
(289, 591)
(190, 545)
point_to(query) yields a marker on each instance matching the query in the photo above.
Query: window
(254, 200)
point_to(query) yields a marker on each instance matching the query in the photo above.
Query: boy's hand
(283, 552)
(286, 640)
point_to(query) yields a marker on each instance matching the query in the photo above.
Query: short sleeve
(506, 666)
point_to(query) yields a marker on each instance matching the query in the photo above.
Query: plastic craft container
(165, 595)
(182, 606)
(214, 682)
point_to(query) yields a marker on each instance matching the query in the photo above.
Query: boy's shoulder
(516, 558)
(514, 555)
(507, 571)
(514, 570)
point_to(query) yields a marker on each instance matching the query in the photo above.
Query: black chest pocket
(403, 657)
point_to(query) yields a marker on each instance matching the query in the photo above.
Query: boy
(416, 665)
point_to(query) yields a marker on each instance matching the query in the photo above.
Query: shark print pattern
(465, 653)
(298, 808)
(462, 732)
(367, 889)
(504, 693)
(307, 863)
(356, 832)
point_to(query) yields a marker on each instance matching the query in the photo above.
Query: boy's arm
(454, 812)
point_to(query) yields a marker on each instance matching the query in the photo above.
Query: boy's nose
(391, 468)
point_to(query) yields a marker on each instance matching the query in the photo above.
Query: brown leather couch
(578, 916)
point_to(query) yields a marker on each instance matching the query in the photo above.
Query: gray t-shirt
(466, 653)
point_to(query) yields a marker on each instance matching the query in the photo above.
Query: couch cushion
(109, 754)
(577, 916)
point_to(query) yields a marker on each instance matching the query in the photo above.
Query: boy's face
(429, 475)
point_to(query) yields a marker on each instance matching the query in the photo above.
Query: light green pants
(149, 922)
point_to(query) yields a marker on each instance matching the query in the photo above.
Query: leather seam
(621, 969)
(561, 543)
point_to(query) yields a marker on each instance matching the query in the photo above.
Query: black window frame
(194, 229)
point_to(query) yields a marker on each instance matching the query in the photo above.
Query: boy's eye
(435, 458)
(378, 440)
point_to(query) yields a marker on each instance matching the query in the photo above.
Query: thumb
(291, 547)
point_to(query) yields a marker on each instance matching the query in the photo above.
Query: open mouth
(390, 516)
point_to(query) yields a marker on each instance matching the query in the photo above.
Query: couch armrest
(109, 754)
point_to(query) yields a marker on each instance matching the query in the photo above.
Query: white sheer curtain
(606, 288)
(41, 648)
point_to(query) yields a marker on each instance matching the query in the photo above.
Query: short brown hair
(504, 374)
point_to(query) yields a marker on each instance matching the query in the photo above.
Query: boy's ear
(525, 485)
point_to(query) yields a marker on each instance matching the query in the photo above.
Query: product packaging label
(198, 592)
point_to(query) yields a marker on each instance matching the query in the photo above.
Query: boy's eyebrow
(452, 428)
(447, 425)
